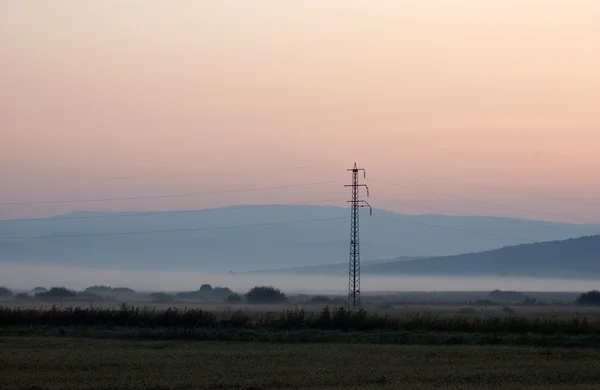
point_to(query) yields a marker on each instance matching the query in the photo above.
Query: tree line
(257, 294)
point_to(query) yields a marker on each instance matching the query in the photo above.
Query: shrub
(222, 292)
(57, 292)
(109, 291)
(235, 297)
(88, 295)
(265, 294)
(22, 295)
(507, 296)
(123, 290)
(160, 297)
(5, 292)
(98, 290)
(589, 298)
(328, 319)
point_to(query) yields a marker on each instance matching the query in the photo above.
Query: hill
(572, 258)
(327, 269)
(221, 240)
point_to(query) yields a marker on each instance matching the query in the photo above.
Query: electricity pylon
(354, 269)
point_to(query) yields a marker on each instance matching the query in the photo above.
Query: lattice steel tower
(354, 269)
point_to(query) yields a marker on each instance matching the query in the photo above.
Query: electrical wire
(489, 187)
(174, 212)
(18, 203)
(521, 239)
(470, 200)
(191, 174)
(524, 221)
(171, 230)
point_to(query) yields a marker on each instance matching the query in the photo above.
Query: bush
(123, 290)
(98, 290)
(22, 295)
(339, 319)
(160, 297)
(88, 295)
(57, 292)
(235, 297)
(109, 291)
(507, 296)
(265, 294)
(5, 292)
(222, 292)
(589, 298)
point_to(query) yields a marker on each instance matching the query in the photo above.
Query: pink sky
(449, 97)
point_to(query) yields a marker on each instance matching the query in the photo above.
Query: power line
(471, 200)
(567, 227)
(165, 196)
(521, 239)
(477, 185)
(174, 212)
(172, 230)
(191, 174)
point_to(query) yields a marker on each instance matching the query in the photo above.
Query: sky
(468, 106)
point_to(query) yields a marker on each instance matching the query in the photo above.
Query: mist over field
(17, 276)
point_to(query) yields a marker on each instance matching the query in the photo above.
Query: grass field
(59, 363)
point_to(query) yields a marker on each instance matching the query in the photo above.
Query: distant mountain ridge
(212, 241)
(571, 258)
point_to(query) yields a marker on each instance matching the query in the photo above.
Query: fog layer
(17, 276)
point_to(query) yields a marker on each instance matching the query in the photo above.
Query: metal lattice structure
(354, 268)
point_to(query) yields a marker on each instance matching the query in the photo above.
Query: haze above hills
(577, 258)
(246, 238)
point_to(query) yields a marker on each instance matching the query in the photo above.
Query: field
(215, 346)
(51, 363)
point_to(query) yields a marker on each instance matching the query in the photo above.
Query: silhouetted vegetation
(339, 319)
(206, 292)
(507, 296)
(5, 292)
(160, 297)
(234, 298)
(89, 295)
(57, 293)
(22, 296)
(265, 294)
(222, 292)
(109, 291)
(591, 298)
